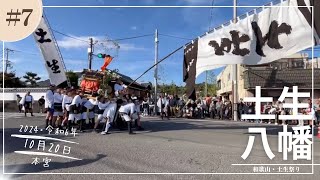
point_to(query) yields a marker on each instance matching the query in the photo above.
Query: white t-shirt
(118, 87)
(49, 99)
(88, 104)
(129, 108)
(76, 100)
(160, 100)
(66, 102)
(312, 112)
(103, 106)
(28, 98)
(94, 102)
(57, 98)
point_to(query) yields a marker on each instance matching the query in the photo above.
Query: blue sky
(135, 55)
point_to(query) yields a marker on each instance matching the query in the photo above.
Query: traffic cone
(318, 135)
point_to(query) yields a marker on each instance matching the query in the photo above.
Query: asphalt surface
(166, 146)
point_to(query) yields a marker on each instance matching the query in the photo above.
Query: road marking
(45, 154)
(41, 137)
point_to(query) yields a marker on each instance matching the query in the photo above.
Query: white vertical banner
(52, 60)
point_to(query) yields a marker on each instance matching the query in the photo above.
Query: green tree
(181, 90)
(31, 78)
(212, 83)
(73, 78)
(10, 80)
(172, 89)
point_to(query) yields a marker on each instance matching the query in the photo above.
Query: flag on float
(260, 38)
(51, 57)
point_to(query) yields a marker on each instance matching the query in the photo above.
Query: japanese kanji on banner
(52, 59)
(263, 37)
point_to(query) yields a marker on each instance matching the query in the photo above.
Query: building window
(229, 77)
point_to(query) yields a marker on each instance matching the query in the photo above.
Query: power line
(19, 51)
(177, 37)
(127, 38)
(34, 54)
(156, 64)
(119, 39)
(70, 36)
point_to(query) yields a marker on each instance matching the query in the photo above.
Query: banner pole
(156, 41)
(235, 73)
(159, 61)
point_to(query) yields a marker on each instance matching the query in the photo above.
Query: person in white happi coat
(91, 114)
(87, 107)
(27, 102)
(102, 104)
(162, 106)
(49, 101)
(66, 102)
(138, 103)
(128, 111)
(58, 109)
(83, 112)
(119, 88)
(75, 108)
(108, 115)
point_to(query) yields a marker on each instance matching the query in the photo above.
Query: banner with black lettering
(52, 60)
(274, 33)
(189, 68)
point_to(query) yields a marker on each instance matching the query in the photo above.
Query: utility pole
(235, 73)
(7, 62)
(156, 49)
(90, 53)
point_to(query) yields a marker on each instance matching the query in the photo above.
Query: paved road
(167, 146)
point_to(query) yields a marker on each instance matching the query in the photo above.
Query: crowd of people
(218, 108)
(67, 108)
(70, 108)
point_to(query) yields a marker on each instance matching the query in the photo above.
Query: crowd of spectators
(219, 108)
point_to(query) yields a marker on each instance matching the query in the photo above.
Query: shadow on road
(29, 168)
(169, 125)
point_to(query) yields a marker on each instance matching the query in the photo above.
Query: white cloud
(101, 45)
(130, 47)
(69, 43)
(76, 62)
(134, 28)
(16, 60)
(43, 76)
